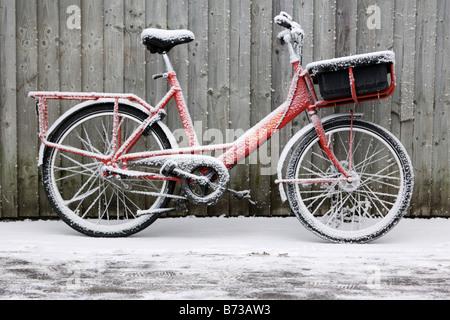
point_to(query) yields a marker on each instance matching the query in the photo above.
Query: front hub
(351, 184)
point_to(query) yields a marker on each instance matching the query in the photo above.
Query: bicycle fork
(325, 145)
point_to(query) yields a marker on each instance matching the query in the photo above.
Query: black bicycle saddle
(162, 41)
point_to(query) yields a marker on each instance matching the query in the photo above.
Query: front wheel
(371, 204)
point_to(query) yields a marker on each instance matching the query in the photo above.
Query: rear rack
(42, 98)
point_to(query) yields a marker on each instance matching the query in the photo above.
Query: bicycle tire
(357, 212)
(74, 184)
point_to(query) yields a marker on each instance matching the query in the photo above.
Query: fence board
(114, 45)
(325, 35)
(441, 117)
(232, 75)
(424, 97)
(346, 27)
(365, 42)
(134, 52)
(304, 13)
(48, 71)
(70, 66)
(281, 80)
(385, 41)
(69, 50)
(240, 45)
(8, 118)
(405, 29)
(156, 16)
(261, 92)
(197, 82)
(27, 80)
(218, 82)
(178, 18)
(92, 46)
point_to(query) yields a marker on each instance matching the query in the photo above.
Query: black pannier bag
(370, 72)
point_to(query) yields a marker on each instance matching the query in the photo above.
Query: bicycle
(111, 166)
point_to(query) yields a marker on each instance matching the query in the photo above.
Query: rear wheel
(83, 195)
(364, 208)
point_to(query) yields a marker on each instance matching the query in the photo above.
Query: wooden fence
(233, 74)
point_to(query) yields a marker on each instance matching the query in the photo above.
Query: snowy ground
(219, 258)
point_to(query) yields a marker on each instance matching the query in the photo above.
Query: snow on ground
(220, 258)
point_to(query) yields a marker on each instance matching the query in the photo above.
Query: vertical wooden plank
(366, 39)
(156, 16)
(134, 57)
(346, 27)
(134, 51)
(178, 18)
(324, 29)
(240, 43)
(198, 65)
(304, 14)
(8, 119)
(27, 80)
(385, 41)
(48, 48)
(404, 47)
(92, 45)
(114, 45)
(69, 50)
(424, 104)
(92, 58)
(408, 34)
(69, 66)
(325, 34)
(218, 82)
(48, 71)
(196, 89)
(261, 93)
(281, 80)
(440, 196)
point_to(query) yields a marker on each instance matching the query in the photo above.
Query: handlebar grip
(283, 21)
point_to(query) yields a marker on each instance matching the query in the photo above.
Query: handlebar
(293, 36)
(284, 20)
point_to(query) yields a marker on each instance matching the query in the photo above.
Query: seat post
(169, 66)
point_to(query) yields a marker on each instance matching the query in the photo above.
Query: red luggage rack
(42, 98)
(348, 65)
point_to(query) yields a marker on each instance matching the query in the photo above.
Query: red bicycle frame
(301, 98)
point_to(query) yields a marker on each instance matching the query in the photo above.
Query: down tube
(267, 127)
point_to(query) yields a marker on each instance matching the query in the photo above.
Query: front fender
(89, 104)
(296, 138)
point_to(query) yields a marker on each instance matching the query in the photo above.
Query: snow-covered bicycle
(111, 166)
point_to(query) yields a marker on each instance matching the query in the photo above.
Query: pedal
(141, 213)
(242, 195)
(180, 205)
